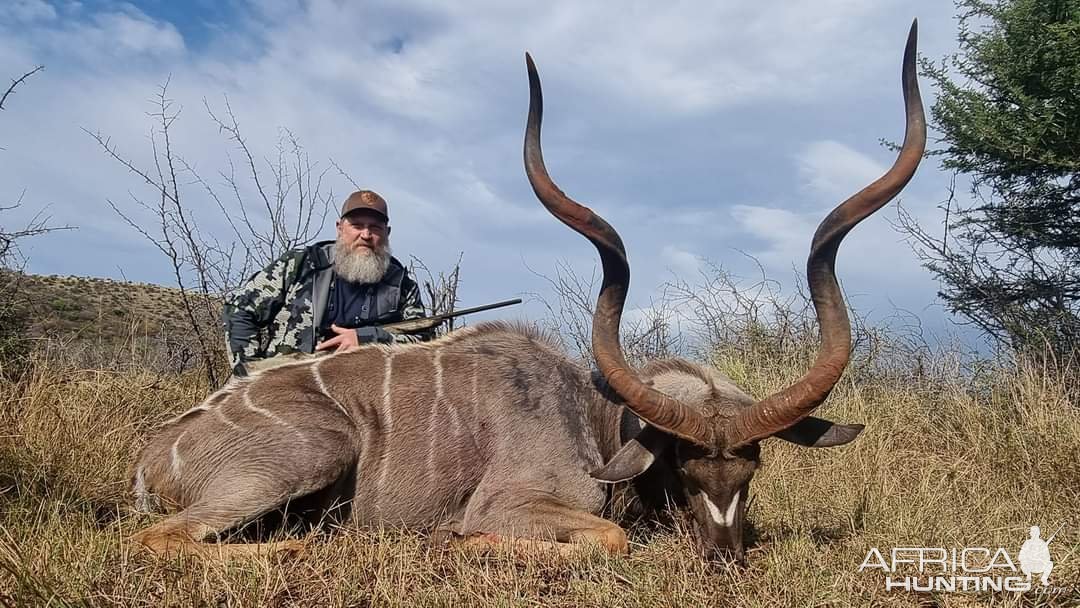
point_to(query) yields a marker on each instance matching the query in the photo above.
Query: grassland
(952, 457)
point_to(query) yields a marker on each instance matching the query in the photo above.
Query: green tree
(1008, 112)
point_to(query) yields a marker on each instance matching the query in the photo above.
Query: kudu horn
(790, 405)
(658, 409)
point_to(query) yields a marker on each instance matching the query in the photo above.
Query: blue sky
(704, 131)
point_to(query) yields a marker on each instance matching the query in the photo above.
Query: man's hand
(343, 340)
(349, 338)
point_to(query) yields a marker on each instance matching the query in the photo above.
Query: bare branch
(17, 82)
(345, 175)
(206, 265)
(233, 129)
(442, 290)
(106, 145)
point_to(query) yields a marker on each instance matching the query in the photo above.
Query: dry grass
(947, 460)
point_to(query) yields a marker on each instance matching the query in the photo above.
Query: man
(327, 296)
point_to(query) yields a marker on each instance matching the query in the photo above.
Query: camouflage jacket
(279, 310)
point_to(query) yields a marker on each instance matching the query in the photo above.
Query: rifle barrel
(425, 323)
(1055, 533)
(469, 311)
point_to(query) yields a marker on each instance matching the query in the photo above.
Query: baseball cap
(368, 201)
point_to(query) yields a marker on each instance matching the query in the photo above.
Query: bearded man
(328, 296)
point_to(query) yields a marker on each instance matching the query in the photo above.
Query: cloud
(691, 126)
(875, 263)
(128, 32)
(85, 36)
(834, 171)
(682, 263)
(27, 10)
(829, 172)
(782, 235)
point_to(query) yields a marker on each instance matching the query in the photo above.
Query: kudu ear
(635, 457)
(811, 432)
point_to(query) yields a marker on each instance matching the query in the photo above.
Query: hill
(86, 309)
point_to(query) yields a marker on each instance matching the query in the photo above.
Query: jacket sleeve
(250, 308)
(412, 307)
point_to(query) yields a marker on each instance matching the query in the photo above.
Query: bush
(14, 322)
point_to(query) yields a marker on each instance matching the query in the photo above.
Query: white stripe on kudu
(433, 414)
(437, 361)
(383, 463)
(229, 423)
(198, 408)
(175, 462)
(729, 515)
(387, 371)
(258, 410)
(315, 373)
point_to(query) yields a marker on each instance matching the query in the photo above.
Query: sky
(708, 133)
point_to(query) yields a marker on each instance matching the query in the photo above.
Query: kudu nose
(724, 546)
(725, 555)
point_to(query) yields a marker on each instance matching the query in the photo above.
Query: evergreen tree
(1008, 111)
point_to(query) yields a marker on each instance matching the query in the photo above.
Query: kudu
(491, 432)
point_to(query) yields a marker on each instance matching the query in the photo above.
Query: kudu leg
(550, 525)
(185, 532)
(237, 500)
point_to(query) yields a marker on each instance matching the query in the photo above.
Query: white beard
(361, 266)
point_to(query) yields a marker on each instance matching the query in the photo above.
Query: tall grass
(951, 457)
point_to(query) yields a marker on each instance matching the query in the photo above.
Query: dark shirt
(350, 304)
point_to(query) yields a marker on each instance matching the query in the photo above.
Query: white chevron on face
(727, 518)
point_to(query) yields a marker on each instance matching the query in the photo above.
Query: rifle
(433, 321)
(420, 324)
(1055, 533)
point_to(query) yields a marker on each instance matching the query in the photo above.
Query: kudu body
(492, 432)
